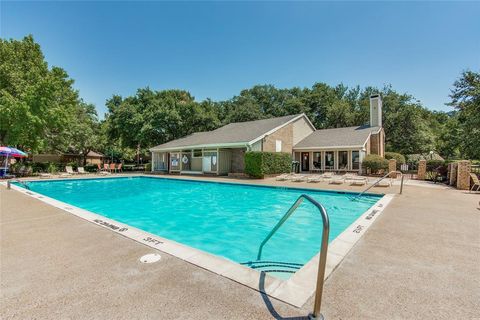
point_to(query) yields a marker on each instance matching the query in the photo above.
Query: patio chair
(69, 170)
(45, 175)
(119, 167)
(315, 178)
(384, 183)
(359, 181)
(327, 176)
(106, 167)
(81, 170)
(298, 178)
(112, 167)
(284, 177)
(337, 180)
(476, 182)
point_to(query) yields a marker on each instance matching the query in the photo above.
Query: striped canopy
(12, 152)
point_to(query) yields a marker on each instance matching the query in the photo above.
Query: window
(197, 153)
(317, 160)
(278, 145)
(355, 160)
(329, 160)
(342, 160)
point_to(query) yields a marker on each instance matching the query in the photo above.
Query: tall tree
(466, 99)
(36, 103)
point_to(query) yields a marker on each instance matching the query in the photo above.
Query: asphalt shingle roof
(238, 132)
(337, 137)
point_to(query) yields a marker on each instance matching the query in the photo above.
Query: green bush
(375, 163)
(148, 167)
(258, 164)
(397, 156)
(89, 167)
(434, 164)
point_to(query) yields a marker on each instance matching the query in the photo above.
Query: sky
(216, 49)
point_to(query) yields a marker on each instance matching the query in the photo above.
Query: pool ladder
(323, 251)
(378, 181)
(24, 184)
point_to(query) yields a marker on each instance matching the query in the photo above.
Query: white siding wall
(301, 129)
(257, 146)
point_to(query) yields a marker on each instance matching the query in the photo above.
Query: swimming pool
(224, 219)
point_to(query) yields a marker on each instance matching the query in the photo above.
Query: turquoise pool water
(227, 220)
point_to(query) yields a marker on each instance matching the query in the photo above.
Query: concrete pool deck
(420, 259)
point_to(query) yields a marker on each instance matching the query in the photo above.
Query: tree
(84, 131)
(466, 99)
(36, 103)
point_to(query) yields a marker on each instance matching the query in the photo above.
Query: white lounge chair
(45, 175)
(284, 177)
(384, 183)
(81, 170)
(327, 175)
(337, 180)
(69, 170)
(315, 178)
(298, 178)
(359, 181)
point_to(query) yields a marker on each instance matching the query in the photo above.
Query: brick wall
(285, 135)
(463, 175)
(422, 169)
(374, 145)
(238, 160)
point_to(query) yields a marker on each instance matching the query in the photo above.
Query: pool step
(274, 266)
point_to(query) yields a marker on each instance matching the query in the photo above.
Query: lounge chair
(81, 170)
(359, 181)
(119, 167)
(337, 180)
(69, 170)
(298, 178)
(315, 178)
(284, 177)
(384, 183)
(45, 175)
(112, 167)
(327, 175)
(476, 182)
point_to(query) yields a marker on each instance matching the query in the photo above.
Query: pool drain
(150, 258)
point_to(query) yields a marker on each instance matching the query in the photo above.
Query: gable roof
(351, 137)
(233, 134)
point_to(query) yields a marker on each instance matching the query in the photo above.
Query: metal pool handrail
(9, 182)
(323, 248)
(380, 179)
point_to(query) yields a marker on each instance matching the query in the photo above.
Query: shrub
(90, 167)
(148, 167)
(434, 164)
(394, 155)
(258, 164)
(375, 163)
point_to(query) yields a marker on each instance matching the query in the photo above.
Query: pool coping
(295, 291)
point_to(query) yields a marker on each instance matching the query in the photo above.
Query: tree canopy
(42, 112)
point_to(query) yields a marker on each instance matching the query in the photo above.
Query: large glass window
(317, 160)
(355, 160)
(342, 160)
(329, 160)
(197, 153)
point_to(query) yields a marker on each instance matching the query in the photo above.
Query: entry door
(305, 161)
(207, 164)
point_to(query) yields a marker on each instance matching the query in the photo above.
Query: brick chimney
(375, 110)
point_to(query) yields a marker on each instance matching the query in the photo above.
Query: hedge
(375, 163)
(397, 156)
(258, 164)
